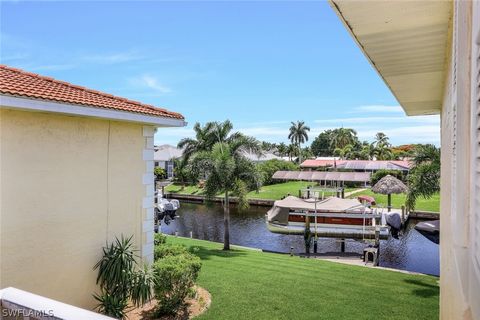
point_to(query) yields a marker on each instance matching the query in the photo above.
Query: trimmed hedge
(382, 173)
(268, 168)
(160, 238)
(175, 276)
(164, 250)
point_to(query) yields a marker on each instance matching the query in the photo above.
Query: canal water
(412, 251)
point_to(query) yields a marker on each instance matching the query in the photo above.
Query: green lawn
(175, 188)
(279, 190)
(247, 284)
(274, 191)
(432, 204)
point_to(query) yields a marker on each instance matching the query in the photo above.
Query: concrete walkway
(348, 194)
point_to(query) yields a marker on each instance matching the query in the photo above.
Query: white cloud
(378, 108)
(150, 82)
(407, 134)
(415, 132)
(380, 120)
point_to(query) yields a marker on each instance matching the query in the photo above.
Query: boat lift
(319, 194)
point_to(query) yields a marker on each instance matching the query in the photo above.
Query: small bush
(159, 173)
(175, 275)
(160, 238)
(382, 173)
(268, 168)
(164, 250)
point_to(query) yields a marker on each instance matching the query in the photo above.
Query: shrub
(159, 173)
(382, 173)
(268, 168)
(164, 250)
(160, 238)
(175, 275)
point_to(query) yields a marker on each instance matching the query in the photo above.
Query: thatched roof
(388, 185)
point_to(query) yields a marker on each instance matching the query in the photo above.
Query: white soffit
(406, 42)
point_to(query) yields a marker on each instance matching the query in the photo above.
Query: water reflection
(411, 251)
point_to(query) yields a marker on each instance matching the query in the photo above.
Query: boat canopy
(281, 208)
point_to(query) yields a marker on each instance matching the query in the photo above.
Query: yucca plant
(111, 305)
(121, 279)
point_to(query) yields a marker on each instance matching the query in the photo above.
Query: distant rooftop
(167, 152)
(264, 157)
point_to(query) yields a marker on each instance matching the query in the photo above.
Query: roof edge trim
(20, 103)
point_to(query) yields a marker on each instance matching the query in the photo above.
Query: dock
(420, 215)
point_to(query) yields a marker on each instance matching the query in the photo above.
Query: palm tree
(226, 169)
(342, 137)
(366, 151)
(424, 176)
(345, 152)
(282, 149)
(381, 138)
(201, 142)
(298, 135)
(382, 151)
(381, 147)
(291, 151)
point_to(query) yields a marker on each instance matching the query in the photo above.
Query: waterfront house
(164, 157)
(86, 177)
(428, 54)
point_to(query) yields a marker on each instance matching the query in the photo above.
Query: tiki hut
(388, 185)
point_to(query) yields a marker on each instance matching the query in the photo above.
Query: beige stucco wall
(67, 185)
(459, 276)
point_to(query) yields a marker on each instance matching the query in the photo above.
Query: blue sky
(259, 64)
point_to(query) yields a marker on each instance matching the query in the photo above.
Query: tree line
(341, 142)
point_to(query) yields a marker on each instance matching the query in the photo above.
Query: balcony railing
(19, 304)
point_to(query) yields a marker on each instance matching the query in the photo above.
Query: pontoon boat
(330, 217)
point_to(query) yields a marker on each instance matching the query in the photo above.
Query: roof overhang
(19, 103)
(406, 42)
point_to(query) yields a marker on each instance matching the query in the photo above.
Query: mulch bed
(194, 307)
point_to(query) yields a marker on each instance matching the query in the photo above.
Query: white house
(164, 158)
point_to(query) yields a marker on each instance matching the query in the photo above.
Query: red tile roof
(20, 83)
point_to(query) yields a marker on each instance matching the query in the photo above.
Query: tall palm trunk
(226, 223)
(299, 154)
